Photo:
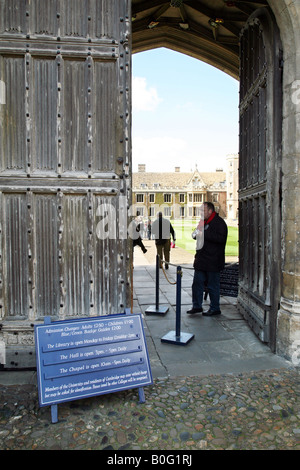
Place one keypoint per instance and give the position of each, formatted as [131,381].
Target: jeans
[213,287]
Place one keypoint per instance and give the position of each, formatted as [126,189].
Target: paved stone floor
[221,344]
[223,390]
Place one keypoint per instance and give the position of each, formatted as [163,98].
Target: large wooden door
[260,174]
[64,164]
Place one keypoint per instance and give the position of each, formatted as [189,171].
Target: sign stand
[54,414]
[54,408]
[142,398]
[91,356]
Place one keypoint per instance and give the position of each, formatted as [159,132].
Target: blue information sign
[91,356]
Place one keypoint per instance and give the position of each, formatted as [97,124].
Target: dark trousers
[139,242]
[163,251]
[213,286]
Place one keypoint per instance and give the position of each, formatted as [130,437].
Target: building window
[181,211]
[198,197]
[140,198]
[140,210]
[167,211]
[151,198]
[181,198]
[190,198]
[215,197]
[167,197]
[151,211]
[196,211]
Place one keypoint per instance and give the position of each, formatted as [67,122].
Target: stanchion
[177,337]
[156,309]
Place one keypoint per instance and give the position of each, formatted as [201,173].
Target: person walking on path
[162,230]
[209,261]
[136,233]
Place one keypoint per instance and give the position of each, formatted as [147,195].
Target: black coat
[211,257]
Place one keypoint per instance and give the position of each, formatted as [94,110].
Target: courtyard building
[178,194]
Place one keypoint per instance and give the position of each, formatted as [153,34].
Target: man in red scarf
[209,261]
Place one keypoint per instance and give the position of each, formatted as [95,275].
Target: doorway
[244,41]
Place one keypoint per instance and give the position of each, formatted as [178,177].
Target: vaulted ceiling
[205,29]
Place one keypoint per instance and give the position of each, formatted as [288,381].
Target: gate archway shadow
[223,344]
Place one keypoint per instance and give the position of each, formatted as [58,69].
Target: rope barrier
[161,263]
[173,337]
[176,265]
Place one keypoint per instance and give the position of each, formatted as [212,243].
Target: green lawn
[184,238]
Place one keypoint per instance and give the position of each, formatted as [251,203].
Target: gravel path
[246,411]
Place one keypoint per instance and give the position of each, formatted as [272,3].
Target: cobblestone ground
[246,411]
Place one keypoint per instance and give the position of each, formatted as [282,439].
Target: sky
[184,113]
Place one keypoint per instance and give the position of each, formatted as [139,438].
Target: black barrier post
[178,301]
[157,284]
[156,309]
[176,337]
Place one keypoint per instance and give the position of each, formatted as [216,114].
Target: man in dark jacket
[209,261]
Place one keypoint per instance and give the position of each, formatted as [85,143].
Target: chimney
[142,168]
[177,169]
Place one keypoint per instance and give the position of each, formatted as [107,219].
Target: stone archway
[159,27]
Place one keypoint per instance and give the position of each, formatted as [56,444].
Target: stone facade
[232,184]
[177,194]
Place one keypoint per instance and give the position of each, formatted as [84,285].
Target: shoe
[145,251]
[210,313]
[195,310]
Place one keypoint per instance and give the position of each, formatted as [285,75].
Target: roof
[178,181]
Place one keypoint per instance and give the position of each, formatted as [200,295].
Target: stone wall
[287,14]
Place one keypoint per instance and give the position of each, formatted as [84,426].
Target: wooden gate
[65,164]
[260,174]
